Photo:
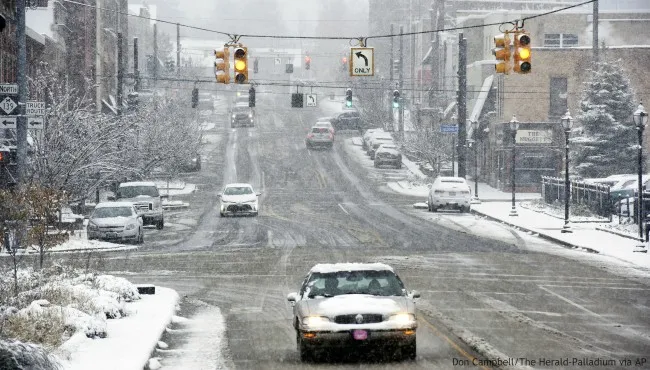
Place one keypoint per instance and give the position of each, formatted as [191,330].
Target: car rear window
[319,130]
[452,181]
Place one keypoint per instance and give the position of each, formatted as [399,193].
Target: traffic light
[396,99]
[241,64]
[195,97]
[348,98]
[251,97]
[502,53]
[522,52]
[256,65]
[222,66]
[307,62]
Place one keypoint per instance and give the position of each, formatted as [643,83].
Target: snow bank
[17,355]
[78,321]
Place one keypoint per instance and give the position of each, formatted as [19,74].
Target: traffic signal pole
[391,65]
[21,121]
[462,104]
[120,74]
[400,123]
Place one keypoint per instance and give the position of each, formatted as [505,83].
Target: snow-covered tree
[608,142]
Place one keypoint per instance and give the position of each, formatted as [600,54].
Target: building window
[560,40]
[558,99]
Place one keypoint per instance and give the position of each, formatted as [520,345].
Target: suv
[348,120]
[242,116]
[147,201]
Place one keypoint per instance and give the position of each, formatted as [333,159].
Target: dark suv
[347,120]
[242,116]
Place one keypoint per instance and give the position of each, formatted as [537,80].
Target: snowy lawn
[577,214]
[130,340]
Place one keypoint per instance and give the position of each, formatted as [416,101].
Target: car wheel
[305,353]
[434,209]
[409,352]
[160,224]
[255,214]
[463,209]
[221,214]
[429,206]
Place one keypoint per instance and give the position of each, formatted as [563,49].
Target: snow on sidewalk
[584,235]
[130,340]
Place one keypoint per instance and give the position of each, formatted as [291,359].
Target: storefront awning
[480,101]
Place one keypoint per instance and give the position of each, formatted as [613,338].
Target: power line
[237,36]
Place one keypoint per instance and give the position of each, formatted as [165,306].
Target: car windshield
[379,283]
[241,110]
[107,212]
[134,191]
[238,190]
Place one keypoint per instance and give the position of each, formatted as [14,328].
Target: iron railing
[593,196]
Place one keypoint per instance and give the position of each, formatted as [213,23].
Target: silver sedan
[354,306]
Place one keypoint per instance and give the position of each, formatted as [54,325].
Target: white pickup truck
[147,201]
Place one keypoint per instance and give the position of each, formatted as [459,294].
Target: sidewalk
[585,236]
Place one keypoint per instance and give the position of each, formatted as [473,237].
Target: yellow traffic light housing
[522,53]
[241,64]
[503,53]
[222,66]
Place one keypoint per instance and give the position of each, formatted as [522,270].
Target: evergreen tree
[608,142]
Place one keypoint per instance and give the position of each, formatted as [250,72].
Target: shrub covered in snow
[118,285]
[15,355]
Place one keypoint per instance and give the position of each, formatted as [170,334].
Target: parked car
[376,141]
[627,187]
[242,115]
[347,120]
[115,221]
[388,154]
[449,192]
[368,134]
[319,137]
[238,199]
[354,305]
[146,199]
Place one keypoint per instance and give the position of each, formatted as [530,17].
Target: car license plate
[111,235]
[359,334]
[452,193]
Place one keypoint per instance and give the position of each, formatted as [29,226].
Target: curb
[618,233]
[541,235]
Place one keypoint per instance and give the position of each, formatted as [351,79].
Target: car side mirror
[258,193]
[110,198]
[415,294]
[292,298]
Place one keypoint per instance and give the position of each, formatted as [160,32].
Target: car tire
[255,214]
[463,209]
[304,352]
[160,224]
[434,209]
[409,352]
[221,214]
[429,208]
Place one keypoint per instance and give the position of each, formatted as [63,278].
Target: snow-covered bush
[118,285]
[15,355]
[36,326]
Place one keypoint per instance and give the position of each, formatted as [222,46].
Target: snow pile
[118,285]
[73,319]
[16,355]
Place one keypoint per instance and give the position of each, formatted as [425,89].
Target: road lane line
[451,343]
[572,303]
[346,212]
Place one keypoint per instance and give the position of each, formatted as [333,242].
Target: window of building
[560,40]
[558,98]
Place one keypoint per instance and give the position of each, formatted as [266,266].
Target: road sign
[7,122]
[35,123]
[363,61]
[35,108]
[9,89]
[311,100]
[449,129]
[289,68]
[296,100]
[8,105]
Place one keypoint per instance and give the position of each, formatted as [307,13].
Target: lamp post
[514,126]
[567,123]
[475,199]
[640,120]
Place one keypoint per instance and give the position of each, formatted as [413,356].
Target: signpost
[362,61]
[8,89]
[7,105]
[449,129]
[35,123]
[311,100]
[8,122]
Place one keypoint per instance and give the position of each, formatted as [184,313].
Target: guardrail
[595,197]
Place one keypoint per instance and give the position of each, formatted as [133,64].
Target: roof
[138,183]
[113,204]
[449,178]
[238,184]
[335,267]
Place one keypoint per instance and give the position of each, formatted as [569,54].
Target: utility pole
[462,103]
[401,82]
[391,118]
[120,74]
[98,56]
[155,54]
[595,32]
[21,121]
[136,70]
[178,50]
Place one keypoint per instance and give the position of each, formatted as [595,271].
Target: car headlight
[250,116]
[130,226]
[402,318]
[233,116]
[92,226]
[315,320]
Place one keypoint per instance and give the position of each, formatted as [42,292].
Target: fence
[593,196]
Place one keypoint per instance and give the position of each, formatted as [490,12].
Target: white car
[368,134]
[354,305]
[449,192]
[388,154]
[115,221]
[325,124]
[377,140]
[147,201]
[238,199]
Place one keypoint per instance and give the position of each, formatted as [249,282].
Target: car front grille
[368,318]
[143,207]
[111,228]
[239,208]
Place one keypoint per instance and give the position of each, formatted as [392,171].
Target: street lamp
[567,123]
[514,126]
[475,199]
[640,120]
